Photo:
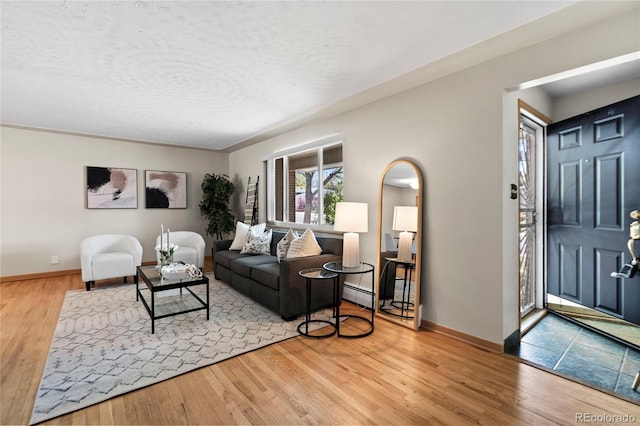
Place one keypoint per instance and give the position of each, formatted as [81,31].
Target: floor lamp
[405,219]
[351,218]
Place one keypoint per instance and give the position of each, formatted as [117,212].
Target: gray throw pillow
[258,242]
[242,234]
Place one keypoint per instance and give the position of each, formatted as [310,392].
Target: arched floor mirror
[399,244]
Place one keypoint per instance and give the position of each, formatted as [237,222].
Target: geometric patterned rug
[103,346]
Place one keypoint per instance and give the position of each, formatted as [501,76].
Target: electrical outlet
[54,260]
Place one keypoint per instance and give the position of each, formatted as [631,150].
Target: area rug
[103,346]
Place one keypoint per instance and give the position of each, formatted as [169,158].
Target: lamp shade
[405,218]
[351,217]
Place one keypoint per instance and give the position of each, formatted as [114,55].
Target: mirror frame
[415,322]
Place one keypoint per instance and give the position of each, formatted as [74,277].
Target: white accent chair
[191,247]
[109,256]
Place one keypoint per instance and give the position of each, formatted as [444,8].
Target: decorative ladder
[251,203]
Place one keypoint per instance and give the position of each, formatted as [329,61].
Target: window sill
[301,227]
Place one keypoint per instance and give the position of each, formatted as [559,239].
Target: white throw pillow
[242,232]
[258,242]
[283,245]
[304,246]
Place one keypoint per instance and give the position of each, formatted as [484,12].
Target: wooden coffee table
[162,307]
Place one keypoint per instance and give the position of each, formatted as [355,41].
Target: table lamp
[405,219]
[351,218]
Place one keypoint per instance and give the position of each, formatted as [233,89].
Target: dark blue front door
[593,169]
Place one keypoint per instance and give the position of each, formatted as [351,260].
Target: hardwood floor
[394,376]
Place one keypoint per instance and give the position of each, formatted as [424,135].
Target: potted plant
[216,193]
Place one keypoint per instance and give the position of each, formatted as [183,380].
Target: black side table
[363,268]
[318,274]
[405,305]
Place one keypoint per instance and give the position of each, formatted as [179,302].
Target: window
[304,185]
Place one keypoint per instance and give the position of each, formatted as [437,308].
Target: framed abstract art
[111,188]
[165,190]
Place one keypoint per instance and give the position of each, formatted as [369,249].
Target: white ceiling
[214,74]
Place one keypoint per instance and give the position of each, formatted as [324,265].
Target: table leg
[373,298]
[409,303]
[336,297]
[404,290]
[153,312]
[336,284]
[307,316]
[208,306]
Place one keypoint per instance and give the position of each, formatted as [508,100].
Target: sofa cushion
[242,231]
[330,245]
[304,246]
[225,257]
[283,245]
[276,237]
[258,242]
[267,274]
[242,265]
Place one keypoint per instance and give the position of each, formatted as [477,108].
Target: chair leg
[89,284]
[125,280]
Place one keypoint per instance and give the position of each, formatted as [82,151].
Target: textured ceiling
[214,74]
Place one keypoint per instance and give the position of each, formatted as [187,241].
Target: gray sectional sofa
[275,285]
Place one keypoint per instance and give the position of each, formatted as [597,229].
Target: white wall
[461,130]
[43,201]
[579,103]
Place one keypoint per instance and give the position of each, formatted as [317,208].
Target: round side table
[362,268]
[405,305]
[310,275]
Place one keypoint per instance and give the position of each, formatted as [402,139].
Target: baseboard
[467,338]
[50,274]
[39,275]
[359,295]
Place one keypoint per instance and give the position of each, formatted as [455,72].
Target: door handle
[629,269]
[634,235]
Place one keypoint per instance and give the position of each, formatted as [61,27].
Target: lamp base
[404,246]
[351,250]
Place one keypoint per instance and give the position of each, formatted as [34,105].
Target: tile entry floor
[574,351]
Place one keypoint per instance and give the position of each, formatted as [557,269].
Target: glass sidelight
[527,215]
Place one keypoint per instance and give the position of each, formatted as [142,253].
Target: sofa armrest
[293,288]
[221,245]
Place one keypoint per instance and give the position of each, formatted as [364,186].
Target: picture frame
[111,188]
[165,189]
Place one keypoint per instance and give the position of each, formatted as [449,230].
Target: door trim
[541,120]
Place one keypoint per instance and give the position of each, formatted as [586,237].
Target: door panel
[570,184]
[593,184]
[609,180]
[608,291]
[570,272]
